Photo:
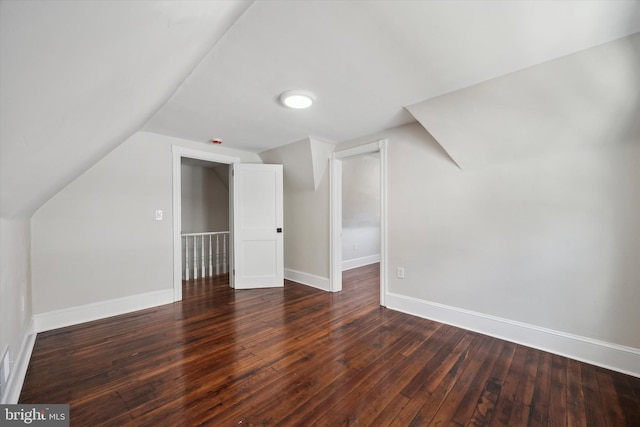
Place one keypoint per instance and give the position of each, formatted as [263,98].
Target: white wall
[360,211]
[306,218]
[97,239]
[205,199]
[550,241]
[15,289]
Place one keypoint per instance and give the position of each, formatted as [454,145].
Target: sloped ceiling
[580,101]
[366,60]
[77,78]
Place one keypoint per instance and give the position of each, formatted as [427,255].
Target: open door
[256,226]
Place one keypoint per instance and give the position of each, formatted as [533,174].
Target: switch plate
[400,272]
[159,215]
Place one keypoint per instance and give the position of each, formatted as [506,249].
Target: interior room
[478,162]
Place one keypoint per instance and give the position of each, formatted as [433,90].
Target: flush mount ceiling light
[298,99]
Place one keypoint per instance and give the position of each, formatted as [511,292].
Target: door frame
[179,152]
[335,217]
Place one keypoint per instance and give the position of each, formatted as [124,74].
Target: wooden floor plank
[539,411]
[628,401]
[609,396]
[299,356]
[507,397]
[592,399]
[460,402]
[558,393]
[444,371]
[576,411]
[524,394]
[487,403]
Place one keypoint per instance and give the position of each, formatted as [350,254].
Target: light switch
[159,215]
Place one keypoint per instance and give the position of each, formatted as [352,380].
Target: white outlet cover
[159,215]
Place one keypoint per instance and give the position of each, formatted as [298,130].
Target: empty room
[272,212]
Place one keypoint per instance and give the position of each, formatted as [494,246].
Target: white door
[256,226]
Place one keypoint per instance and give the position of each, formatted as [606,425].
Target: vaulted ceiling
[78,78]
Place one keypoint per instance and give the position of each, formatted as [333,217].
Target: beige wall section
[360,207]
[306,218]
[205,199]
[306,204]
[15,285]
[550,241]
[97,239]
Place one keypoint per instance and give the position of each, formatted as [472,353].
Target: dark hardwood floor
[299,357]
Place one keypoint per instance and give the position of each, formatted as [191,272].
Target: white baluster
[204,273]
[186,261]
[217,254]
[224,253]
[210,258]
[195,258]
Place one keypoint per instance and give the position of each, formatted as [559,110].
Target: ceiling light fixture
[297,99]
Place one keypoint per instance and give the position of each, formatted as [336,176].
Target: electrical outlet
[400,272]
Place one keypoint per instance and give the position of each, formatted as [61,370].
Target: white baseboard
[19,371]
[601,353]
[100,310]
[307,279]
[360,262]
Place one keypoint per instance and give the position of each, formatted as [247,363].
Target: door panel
[258,256]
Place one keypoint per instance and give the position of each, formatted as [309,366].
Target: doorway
[378,148]
[180,153]
[247,260]
[205,218]
[360,211]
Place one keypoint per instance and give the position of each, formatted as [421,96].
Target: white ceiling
[78,78]
[366,60]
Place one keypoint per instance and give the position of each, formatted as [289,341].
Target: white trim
[100,310]
[19,371]
[335,213]
[178,153]
[601,353]
[384,225]
[335,224]
[360,150]
[350,264]
[307,279]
